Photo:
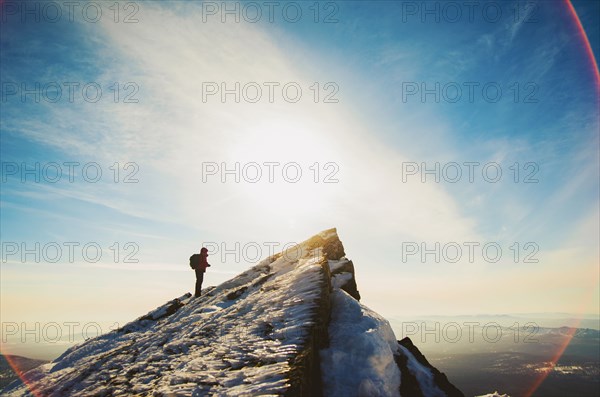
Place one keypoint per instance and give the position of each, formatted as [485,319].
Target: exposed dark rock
[253,284]
[330,243]
[350,286]
[305,375]
[166,310]
[410,386]
[334,249]
[236,294]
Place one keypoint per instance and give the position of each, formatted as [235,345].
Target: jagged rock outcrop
[411,386]
[291,325]
[343,276]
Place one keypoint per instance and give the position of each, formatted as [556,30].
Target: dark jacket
[203,262]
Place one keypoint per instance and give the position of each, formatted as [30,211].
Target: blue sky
[371,53]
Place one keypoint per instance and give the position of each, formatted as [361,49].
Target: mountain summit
[291,325]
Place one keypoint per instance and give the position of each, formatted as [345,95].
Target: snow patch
[328,234]
[334,265]
[339,280]
[360,358]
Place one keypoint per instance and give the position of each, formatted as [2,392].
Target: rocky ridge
[291,325]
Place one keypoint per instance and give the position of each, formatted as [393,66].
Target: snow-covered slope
[291,325]
[360,356]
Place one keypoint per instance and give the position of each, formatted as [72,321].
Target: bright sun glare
[283,166]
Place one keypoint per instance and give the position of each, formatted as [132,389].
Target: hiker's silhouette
[199,263]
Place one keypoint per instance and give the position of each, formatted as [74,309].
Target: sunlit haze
[186,165]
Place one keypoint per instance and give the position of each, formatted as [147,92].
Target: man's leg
[199,279]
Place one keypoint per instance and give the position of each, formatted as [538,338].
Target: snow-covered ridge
[291,325]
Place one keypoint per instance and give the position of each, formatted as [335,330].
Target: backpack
[195,261]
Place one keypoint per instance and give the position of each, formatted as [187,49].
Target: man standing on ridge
[199,263]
